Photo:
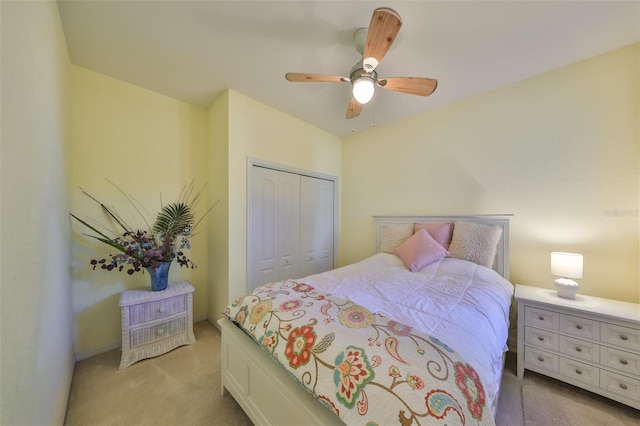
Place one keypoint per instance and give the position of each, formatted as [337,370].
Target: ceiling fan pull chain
[373,115]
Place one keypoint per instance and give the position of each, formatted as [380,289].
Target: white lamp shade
[363,89]
[567,265]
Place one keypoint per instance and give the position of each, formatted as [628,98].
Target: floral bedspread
[367,369]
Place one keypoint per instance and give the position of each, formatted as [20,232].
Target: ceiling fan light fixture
[363,89]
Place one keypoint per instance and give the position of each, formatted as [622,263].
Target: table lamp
[566,266]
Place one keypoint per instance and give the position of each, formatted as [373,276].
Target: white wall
[36,353]
[560,151]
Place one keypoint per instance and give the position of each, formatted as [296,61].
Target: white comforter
[464,305]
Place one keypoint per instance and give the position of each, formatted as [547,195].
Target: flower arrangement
[163,241]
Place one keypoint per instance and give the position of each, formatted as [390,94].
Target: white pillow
[391,236]
[476,242]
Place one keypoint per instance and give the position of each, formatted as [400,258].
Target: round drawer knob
[541,318]
[624,361]
[623,386]
[624,337]
[541,359]
[578,349]
[541,338]
[579,327]
[161,309]
[160,331]
[578,371]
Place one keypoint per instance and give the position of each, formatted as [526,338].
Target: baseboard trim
[79,356]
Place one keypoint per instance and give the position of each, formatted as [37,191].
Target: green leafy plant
[163,241]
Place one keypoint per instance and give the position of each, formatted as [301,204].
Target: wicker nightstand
[155,322]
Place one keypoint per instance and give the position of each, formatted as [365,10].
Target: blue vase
[159,276]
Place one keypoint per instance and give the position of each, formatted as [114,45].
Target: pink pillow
[441,232]
[420,250]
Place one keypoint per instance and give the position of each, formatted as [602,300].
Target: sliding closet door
[291,226]
[316,225]
[288,225]
[275,226]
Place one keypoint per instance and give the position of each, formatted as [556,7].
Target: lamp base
[566,288]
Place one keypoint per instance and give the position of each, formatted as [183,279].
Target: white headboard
[500,264]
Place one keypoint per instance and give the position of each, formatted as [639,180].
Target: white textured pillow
[391,236]
[475,242]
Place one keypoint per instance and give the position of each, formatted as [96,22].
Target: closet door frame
[251,162]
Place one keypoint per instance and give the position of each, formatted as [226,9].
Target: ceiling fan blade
[299,77]
[412,85]
[383,29]
[354,108]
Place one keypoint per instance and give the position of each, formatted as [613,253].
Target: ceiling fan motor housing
[358,71]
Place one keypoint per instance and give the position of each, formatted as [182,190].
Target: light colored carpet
[182,388]
[563,410]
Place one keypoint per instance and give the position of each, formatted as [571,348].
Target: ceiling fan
[373,43]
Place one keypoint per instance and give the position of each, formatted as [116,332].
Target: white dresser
[155,322]
[589,342]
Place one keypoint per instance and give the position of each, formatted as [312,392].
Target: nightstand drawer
[620,336]
[541,318]
[543,339]
[620,385]
[576,370]
[541,359]
[159,309]
[626,362]
[580,327]
[144,335]
[581,349]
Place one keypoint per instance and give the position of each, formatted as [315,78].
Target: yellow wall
[259,131]
[36,354]
[149,145]
[560,151]
[218,160]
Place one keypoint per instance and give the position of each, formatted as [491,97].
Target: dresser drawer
[541,359]
[144,335]
[541,318]
[159,309]
[618,335]
[576,370]
[620,385]
[623,361]
[581,349]
[543,339]
[580,327]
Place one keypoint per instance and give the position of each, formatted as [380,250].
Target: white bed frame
[267,393]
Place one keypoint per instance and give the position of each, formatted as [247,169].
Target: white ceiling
[195,50]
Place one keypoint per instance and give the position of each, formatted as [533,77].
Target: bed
[407,336]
